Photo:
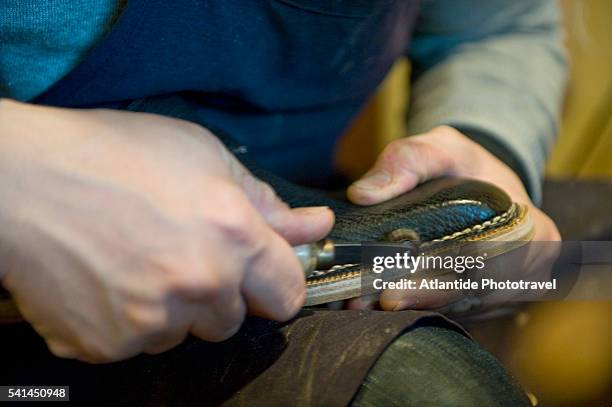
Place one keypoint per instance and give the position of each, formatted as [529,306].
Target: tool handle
[315,256]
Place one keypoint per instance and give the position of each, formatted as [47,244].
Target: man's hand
[407,162]
[121,233]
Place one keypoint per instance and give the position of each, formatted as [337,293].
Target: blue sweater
[494,69]
[42,40]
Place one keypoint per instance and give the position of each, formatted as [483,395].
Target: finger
[170,330]
[297,226]
[365,302]
[166,343]
[511,266]
[271,278]
[220,319]
[274,284]
[83,351]
[61,349]
[208,300]
[400,167]
[397,300]
[302,225]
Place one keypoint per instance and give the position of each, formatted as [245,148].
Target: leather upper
[435,209]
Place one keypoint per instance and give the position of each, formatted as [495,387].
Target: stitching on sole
[321,279]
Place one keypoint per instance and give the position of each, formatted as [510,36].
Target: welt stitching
[479,227]
[486,224]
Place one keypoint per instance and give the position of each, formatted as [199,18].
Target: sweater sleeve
[495,70]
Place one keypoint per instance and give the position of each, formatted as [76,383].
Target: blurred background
[561,352]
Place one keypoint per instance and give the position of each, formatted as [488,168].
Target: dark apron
[273,74]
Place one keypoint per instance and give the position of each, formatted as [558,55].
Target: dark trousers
[431,366]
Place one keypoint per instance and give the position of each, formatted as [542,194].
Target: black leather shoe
[443,216]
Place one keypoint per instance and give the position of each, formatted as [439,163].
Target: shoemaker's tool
[325,254]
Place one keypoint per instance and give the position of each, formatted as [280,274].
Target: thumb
[401,166]
[298,225]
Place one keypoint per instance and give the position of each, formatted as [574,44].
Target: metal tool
[325,254]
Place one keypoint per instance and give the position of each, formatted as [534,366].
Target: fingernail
[312,210]
[376,180]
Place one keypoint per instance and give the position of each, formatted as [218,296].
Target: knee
[437,366]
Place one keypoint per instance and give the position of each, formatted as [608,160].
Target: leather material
[435,209]
[320,358]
